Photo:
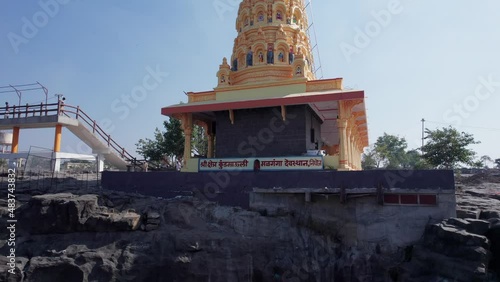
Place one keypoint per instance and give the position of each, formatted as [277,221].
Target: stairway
[74,119]
[98,146]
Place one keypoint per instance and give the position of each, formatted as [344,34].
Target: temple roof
[285,100]
[325,104]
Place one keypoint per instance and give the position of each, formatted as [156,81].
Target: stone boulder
[493,234]
[66,213]
[455,248]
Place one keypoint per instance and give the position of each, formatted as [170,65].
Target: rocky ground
[73,232]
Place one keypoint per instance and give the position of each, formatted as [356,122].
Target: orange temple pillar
[342,124]
[15,140]
[57,138]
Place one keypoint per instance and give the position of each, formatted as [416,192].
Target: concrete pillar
[358,150]
[57,138]
[353,152]
[100,162]
[351,155]
[187,125]
[15,140]
[358,155]
[349,146]
[342,124]
[56,162]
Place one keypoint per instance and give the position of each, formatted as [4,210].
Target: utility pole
[423,129]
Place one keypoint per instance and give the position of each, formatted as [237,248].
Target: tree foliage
[484,160]
[173,138]
[168,143]
[199,141]
[447,148]
[370,159]
[414,160]
[390,152]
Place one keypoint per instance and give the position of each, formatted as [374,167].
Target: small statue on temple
[250,57]
[270,54]
[261,57]
[291,55]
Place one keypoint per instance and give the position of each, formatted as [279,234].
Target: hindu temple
[284,143]
[267,104]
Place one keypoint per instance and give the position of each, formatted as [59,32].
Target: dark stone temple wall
[313,138]
[261,132]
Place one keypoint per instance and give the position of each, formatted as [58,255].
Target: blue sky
[427,59]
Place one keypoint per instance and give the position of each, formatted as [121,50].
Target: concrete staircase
[74,119]
[98,146]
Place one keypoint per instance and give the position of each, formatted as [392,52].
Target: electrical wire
[21,90]
[19,85]
[477,127]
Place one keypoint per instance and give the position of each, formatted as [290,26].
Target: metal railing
[28,110]
[62,109]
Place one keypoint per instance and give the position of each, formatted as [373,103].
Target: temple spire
[272,44]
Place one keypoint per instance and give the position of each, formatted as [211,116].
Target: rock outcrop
[72,238]
[66,213]
[465,248]
[454,248]
[99,235]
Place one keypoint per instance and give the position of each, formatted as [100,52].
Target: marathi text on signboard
[248,164]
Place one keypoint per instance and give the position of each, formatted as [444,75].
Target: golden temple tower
[272,44]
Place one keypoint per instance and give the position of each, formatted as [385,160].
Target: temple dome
[272,44]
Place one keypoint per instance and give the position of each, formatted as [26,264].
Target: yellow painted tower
[272,44]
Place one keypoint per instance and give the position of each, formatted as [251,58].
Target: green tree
[414,160]
[199,141]
[485,160]
[169,143]
[370,159]
[152,150]
[477,164]
[447,148]
[392,150]
[173,138]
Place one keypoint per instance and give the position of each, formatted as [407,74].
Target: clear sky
[438,60]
